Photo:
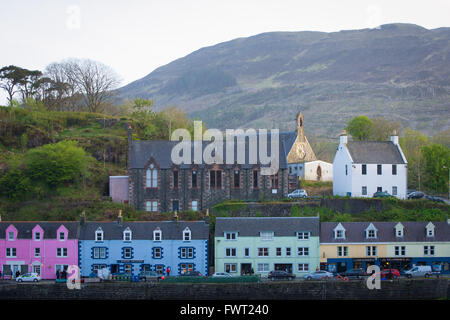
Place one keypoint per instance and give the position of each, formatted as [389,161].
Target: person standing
[168,271]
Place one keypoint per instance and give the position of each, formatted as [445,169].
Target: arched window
[152,177]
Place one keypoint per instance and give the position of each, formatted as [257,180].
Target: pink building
[40,247]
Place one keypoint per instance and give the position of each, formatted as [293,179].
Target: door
[246,268]
[175,205]
[37,269]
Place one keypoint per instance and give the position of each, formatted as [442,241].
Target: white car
[221,275]
[299,193]
[29,277]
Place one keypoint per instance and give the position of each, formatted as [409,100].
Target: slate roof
[413,232]
[374,152]
[25,229]
[143,230]
[160,151]
[281,226]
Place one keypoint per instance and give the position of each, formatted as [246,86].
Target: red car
[387,273]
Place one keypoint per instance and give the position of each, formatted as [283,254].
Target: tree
[437,162]
[383,128]
[412,143]
[11,78]
[144,119]
[360,127]
[29,84]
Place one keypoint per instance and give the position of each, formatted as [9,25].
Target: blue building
[132,247]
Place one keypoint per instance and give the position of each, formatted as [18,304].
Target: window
[278,252]
[187,235]
[37,236]
[379,169]
[263,252]
[428,250]
[342,251]
[399,233]
[303,251]
[230,252]
[302,235]
[215,179]
[274,181]
[400,250]
[255,179]
[364,190]
[99,253]
[430,232]
[371,234]
[394,191]
[371,251]
[127,253]
[11,252]
[303,267]
[194,179]
[128,268]
[346,170]
[10,236]
[127,235]
[152,177]
[99,235]
[37,252]
[157,235]
[394,169]
[186,267]
[175,179]
[187,253]
[288,252]
[230,267]
[364,169]
[231,235]
[339,234]
[157,253]
[195,205]
[379,189]
[61,252]
[246,252]
[262,267]
[62,236]
[266,236]
[151,206]
[237,178]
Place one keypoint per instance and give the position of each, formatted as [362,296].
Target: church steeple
[301,150]
[300,128]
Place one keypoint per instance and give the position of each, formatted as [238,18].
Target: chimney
[394,137]
[343,137]
[83,218]
[120,218]
[175,216]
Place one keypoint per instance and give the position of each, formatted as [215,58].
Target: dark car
[353,274]
[192,274]
[416,195]
[381,194]
[280,274]
[433,198]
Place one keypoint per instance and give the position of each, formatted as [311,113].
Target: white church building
[361,168]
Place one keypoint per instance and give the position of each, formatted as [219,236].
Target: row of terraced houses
[239,245]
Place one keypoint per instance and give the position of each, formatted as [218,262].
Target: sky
[134,37]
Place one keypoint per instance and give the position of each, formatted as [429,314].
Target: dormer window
[371,232]
[11,236]
[430,230]
[127,235]
[399,230]
[339,232]
[231,235]
[157,235]
[187,234]
[62,236]
[99,234]
[266,235]
[37,236]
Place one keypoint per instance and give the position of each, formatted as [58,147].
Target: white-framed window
[127,253]
[61,252]
[230,267]
[370,234]
[342,251]
[157,253]
[371,251]
[302,235]
[128,268]
[394,190]
[263,252]
[194,205]
[99,235]
[37,252]
[303,267]
[246,252]
[11,252]
[230,252]
[399,250]
[152,177]
[10,236]
[428,250]
[262,267]
[37,236]
[303,251]
[266,235]
[288,252]
[187,234]
[62,236]
[339,232]
[151,206]
[364,190]
[430,232]
[231,235]
[99,253]
[157,235]
[186,267]
[399,233]
[187,253]
[127,235]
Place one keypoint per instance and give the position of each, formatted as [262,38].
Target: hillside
[399,71]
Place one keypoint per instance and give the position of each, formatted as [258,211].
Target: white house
[361,168]
[313,170]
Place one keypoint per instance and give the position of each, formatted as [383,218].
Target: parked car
[388,273]
[280,274]
[192,274]
[419,271]
[221,275]
[381,194]
[299,193]
[433,198]
[353,274]
[29,277]
[149,275]
[318,275]
[416,195]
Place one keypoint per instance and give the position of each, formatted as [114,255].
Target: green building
[266,244]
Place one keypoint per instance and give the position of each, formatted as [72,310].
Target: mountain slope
[399,71]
